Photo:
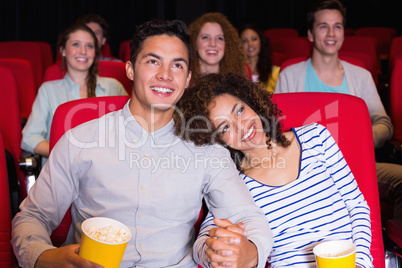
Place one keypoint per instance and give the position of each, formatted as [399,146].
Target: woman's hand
[228,246]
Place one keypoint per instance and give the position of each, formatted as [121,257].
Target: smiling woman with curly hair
[285,172]
[215,46]
[193,111]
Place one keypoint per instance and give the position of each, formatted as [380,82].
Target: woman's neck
[80,78]
[208,69]
[260,157]
[252,61]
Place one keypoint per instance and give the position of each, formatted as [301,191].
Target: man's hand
[64,257]
[228,246]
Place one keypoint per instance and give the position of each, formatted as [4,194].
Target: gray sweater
[360,84]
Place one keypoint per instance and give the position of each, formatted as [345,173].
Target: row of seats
[383,36]
[19,90]
[372,45]
[360,49]
[12,92]
[39,54]
[32,64]
[358,153]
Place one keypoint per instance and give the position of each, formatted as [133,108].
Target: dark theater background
[42,20]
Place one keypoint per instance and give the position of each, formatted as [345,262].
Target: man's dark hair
[88,18]
[325,4]
[155,27]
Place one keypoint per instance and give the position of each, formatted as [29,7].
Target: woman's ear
[62,52]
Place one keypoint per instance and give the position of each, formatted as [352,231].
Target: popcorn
[108,234]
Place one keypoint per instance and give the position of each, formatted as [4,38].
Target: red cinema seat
[78,112]
[292,61]
[280,33]
[25,50]
[6,253]
[46,54]
[124,50]
[106,51]
[344,116]
[10,126]
[53,72]
[292,47]
[364,47]
[395,50]
[382,35]
[24,76]
[116,70]
[396,99]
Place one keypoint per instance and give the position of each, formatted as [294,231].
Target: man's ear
[188,79]
[310,36]
[103,41]
[130,70]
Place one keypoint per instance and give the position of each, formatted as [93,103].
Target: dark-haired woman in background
[258,51]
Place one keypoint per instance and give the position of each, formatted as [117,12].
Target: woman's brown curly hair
[93,70]
[192,115]
[234,60]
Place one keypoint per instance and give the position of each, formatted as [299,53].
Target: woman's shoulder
[51,86]
[312,128]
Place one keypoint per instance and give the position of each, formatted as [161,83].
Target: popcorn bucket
[103,242]
[335,254]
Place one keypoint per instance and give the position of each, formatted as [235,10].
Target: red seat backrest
[395,50]
[292,47]
[53,72]
[24,77]
[46,54]
[6,255]
[366,45]
[10,122]
[116,70]
[281,32]
[348,120]
[78,112]
[355,60]
[292,61]
[349,31]
[396,99]
[106,51]
[124,50]
[278,58]
[71,114]
[25,50]
[382,35]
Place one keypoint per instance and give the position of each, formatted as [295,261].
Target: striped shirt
[323,203]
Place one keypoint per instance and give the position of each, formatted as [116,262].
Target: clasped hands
[228,246]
